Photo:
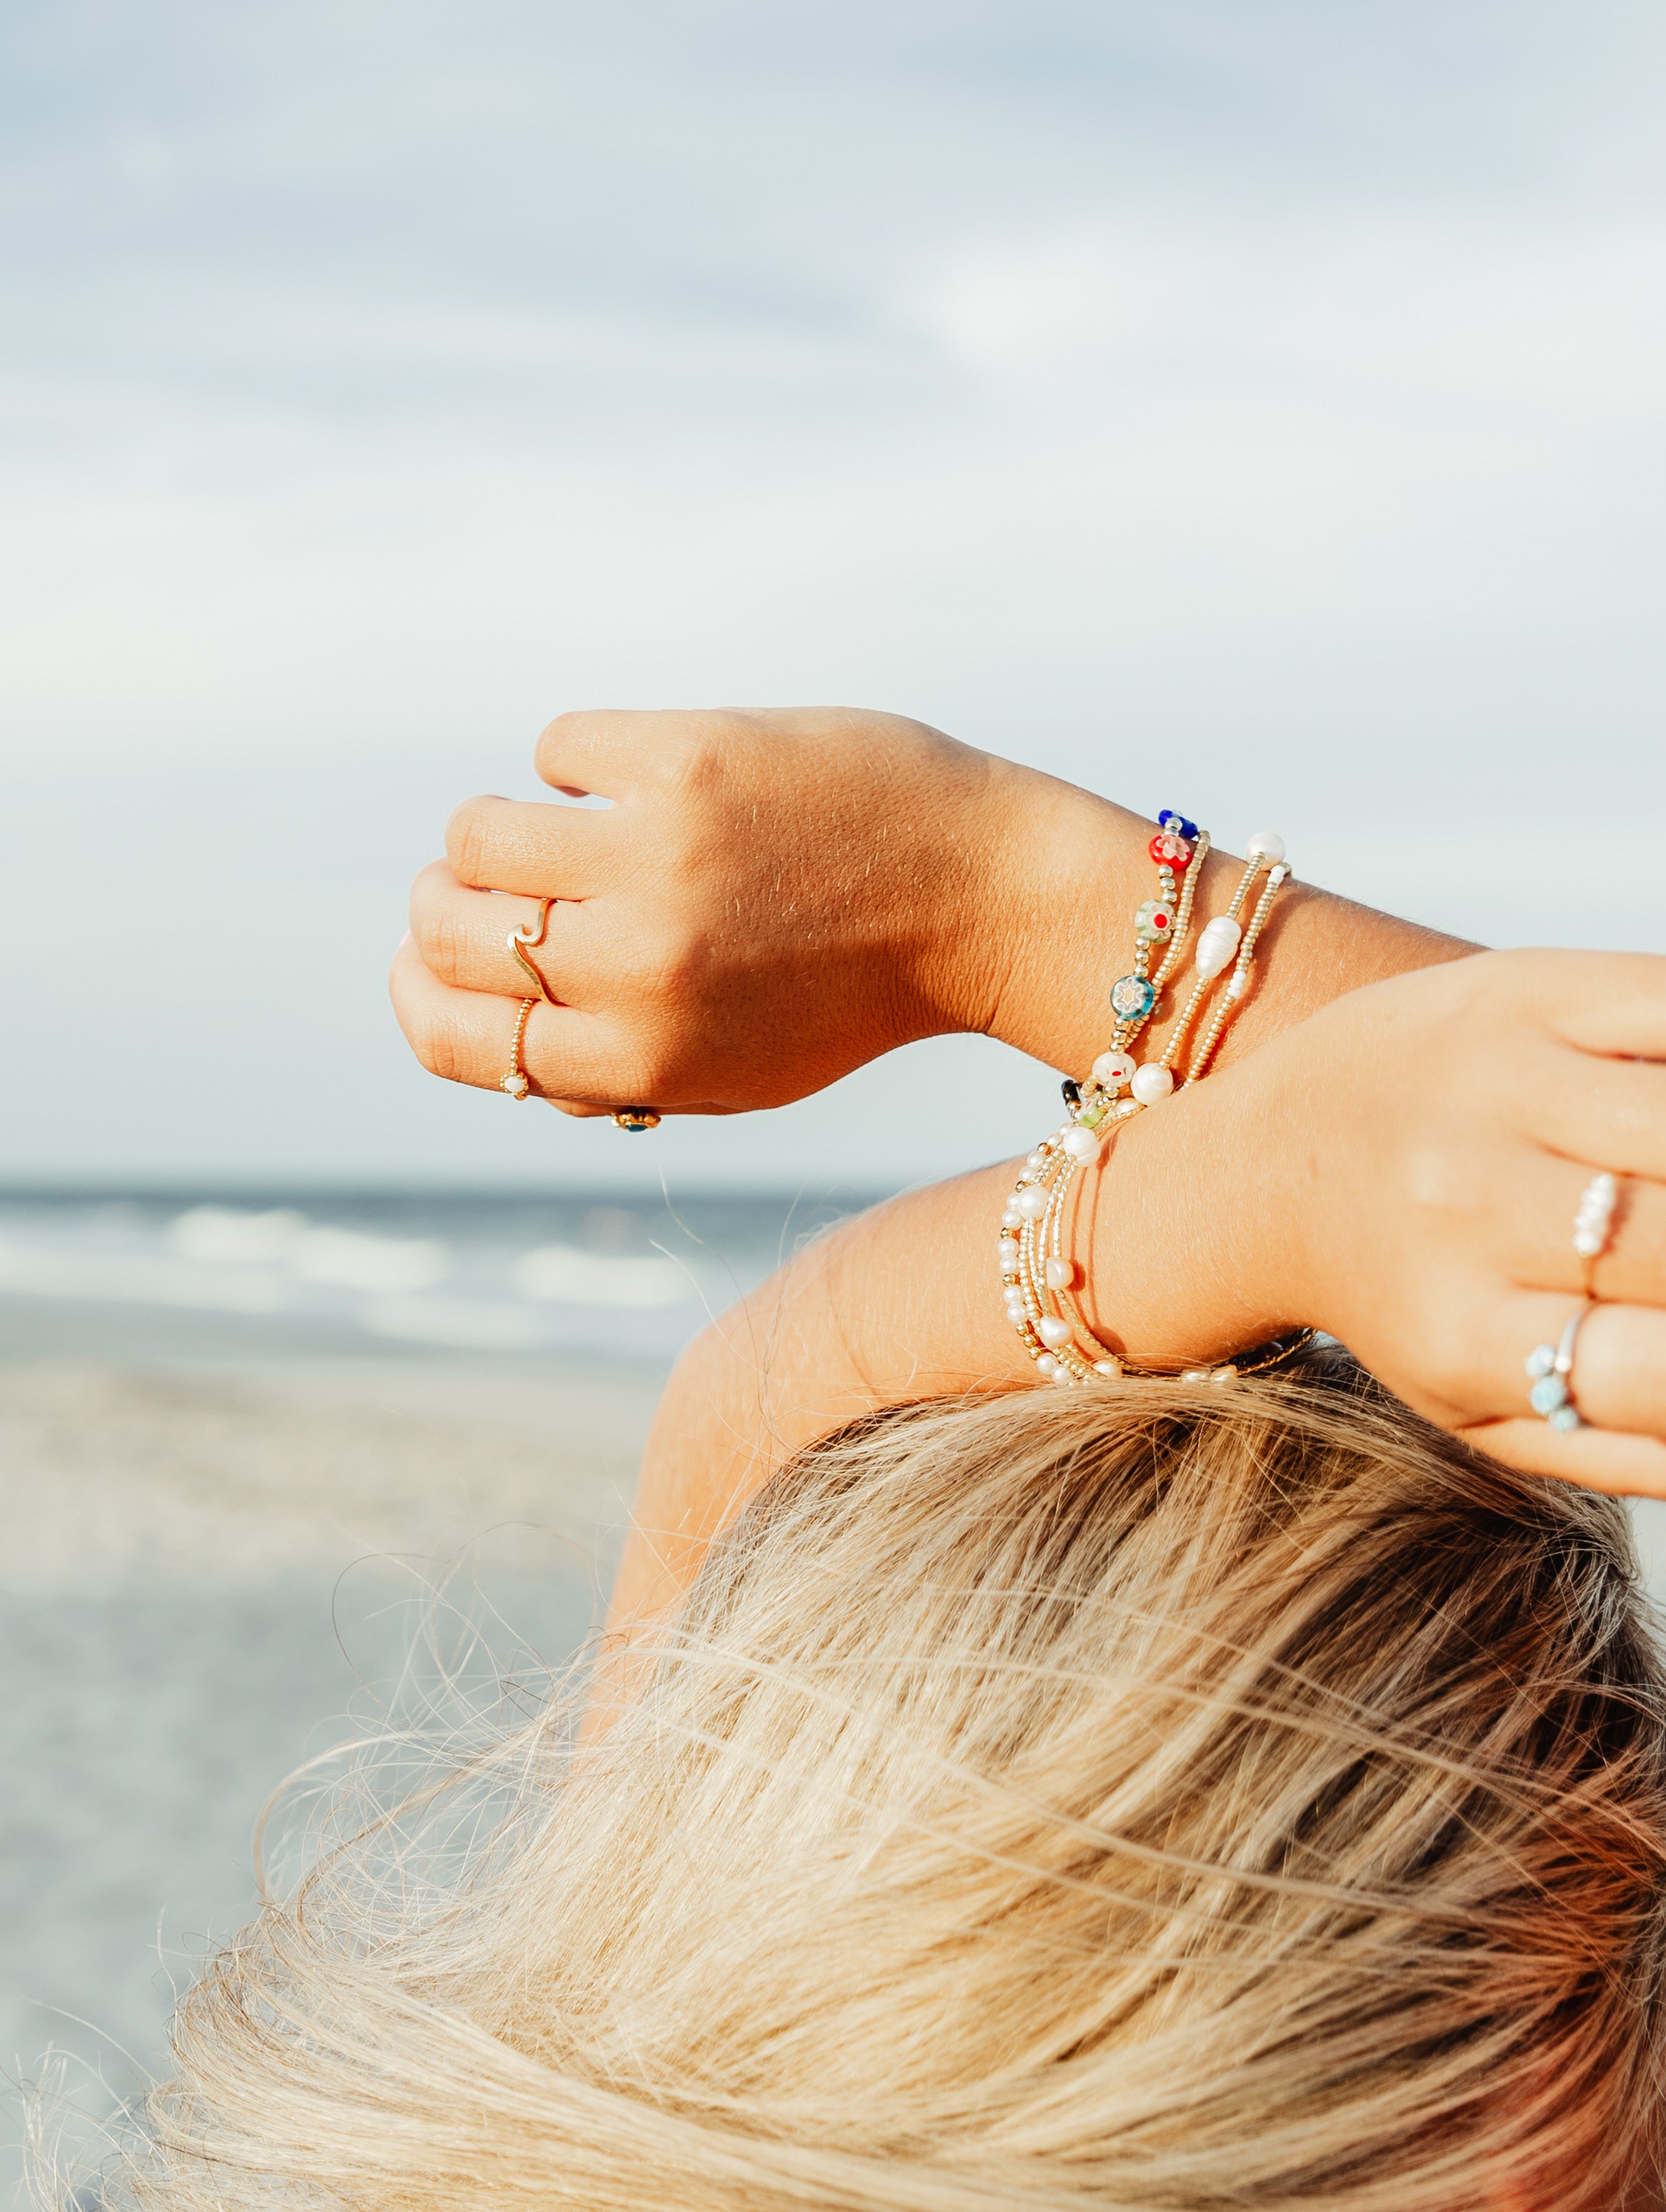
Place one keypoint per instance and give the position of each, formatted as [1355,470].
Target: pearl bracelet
[1039,1280]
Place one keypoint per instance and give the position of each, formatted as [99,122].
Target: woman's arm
[774,898]
[1401,1169]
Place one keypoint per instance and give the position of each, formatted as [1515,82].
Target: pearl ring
[1593,1225]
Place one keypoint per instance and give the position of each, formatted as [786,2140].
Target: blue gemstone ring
[1550,1372]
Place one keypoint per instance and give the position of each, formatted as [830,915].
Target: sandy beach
[207,1573]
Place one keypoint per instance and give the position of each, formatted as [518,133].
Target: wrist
[1028,951]
[1048,927]
[1192,1233]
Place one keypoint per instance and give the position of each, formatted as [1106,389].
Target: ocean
[166,1273]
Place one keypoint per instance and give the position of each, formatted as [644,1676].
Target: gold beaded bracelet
[1039,1281]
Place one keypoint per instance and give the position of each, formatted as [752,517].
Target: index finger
[608,751]
[530,845]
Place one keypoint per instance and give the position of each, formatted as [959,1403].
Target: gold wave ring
[532,934]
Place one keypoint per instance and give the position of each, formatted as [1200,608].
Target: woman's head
[1160,1798]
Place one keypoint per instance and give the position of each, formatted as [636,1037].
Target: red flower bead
[1170,851]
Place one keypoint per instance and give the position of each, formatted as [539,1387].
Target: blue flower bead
[1168,819]
[1131,997]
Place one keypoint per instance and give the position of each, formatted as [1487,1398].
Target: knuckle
[672,967]
[580,734]
[471,843]
[434,1040]
[447,953]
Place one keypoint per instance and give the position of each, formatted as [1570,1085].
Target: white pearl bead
[1112,1069]
[1012,1218]
[1047,1367]
[1151,1082]
[1265,845]
[1054,1332]
[1061,1274]
[1007,1251]
[1217,946]
[1081,1145]
[1062,1373]
[1110,1368]
[1239,984]
[1032,1202]
[1588,1243]
[1036,1161]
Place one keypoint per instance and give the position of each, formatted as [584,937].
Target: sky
[1253,406]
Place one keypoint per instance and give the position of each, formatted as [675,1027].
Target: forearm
[902,1304]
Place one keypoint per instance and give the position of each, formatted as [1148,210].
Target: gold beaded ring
[515,1079]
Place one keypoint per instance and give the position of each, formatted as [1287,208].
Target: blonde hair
[1157,1797]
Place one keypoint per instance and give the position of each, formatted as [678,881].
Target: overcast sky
[1247,406]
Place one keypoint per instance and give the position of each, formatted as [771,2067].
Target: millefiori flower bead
[1114,1070]
[1132,997]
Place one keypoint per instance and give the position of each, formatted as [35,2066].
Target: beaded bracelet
[1039,1280]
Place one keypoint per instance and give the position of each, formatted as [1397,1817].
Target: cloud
[1256,410]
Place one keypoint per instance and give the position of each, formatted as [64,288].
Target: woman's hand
[1421,1149]
[774,898]
[771,900]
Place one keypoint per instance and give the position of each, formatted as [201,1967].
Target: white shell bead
[1081,1145]
[1061,1274]
[1151,1082]
[1054,1332]
[1218,945]
[1032,1202]
[1265,845]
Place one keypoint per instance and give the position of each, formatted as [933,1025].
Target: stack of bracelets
[1039,1282]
